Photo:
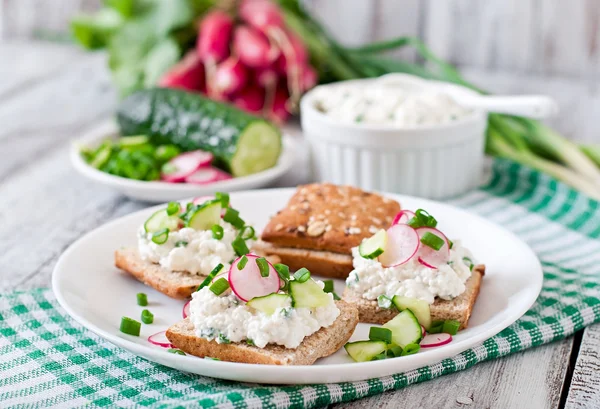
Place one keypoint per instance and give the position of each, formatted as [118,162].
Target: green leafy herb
[181,243]
[219,286]
[263,266]
[433,241]
[242,263]
[217,232]
[239,246]
[302,275]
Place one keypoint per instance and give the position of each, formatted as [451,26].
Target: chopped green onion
[249,235]
[410,349]
[450,244]
[242,263]
[436,327]
[217,232]
[222,339]
[181,243]
[210,358]
[379,357]
[130,326]
[422,219]
[147,317]
[210,276]
[283,271]
[176,351]
[165,153]
[161,236]
[250,342]
[263,266]
[384,301]
[451,327]
[224,198]
[302,275]
[189,206]
[173,208]
[380,334]
[468,262]
[239,246]
[328,288]
[431,240]
[394,351]
[142,299]
[232,217]
[219,286]
[336,297]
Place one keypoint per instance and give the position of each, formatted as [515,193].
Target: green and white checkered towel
[47,359]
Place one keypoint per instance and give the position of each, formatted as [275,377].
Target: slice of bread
[322,343]
[323,263]
[175,284]
[458,309]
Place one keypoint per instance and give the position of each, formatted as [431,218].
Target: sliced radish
[160,339]
[435,340]
[185,164]
[420,260]
[430,257]
[403,217]
[201,199]
[401,246]
[186,309]
[204,176]
[247,283]
[422,331]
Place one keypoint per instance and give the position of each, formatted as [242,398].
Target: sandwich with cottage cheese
[322,223]
[179,246]
[256,312]
[413,265]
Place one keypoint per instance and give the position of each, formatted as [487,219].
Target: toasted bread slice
[175,284]
[322,343]
[323,263]
[458,309]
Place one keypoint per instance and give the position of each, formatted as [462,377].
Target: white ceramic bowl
[427,161]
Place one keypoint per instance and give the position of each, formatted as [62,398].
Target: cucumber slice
[258,149]
[161,220]
[269,303]
[308,294]
[364,351]
[405,329]
[373,246]
[418,307]
[206,216]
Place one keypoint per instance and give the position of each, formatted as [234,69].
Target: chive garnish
[242,263]
[468,262]
[451,327]
[232,217]
[431,240]
[247,233]
[130,326]
[147,317]
[239,246]
[173,208]
[250,342]
[176,351]
[450,244]
[436,327]
[210,358]
[217,232]
[142,299]
[394,351]
[224,198]
[210,276]
[181,243]
[219,286]
[161,236]
[410,349]
[422,219]
[328,287]
[302,275]
[263,266]
[380,334]
[283,271]
[384,301]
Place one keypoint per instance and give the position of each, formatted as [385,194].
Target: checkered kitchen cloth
[47,359]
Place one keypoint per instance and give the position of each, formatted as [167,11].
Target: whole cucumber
[242,143]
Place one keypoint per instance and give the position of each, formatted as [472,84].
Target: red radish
[213,42]
[230,76]
[296,57]
[266,76]
[435,340]
[279,111]
[401,246]
[183,165]
[251,99]
[247,283]
[207,175]
[261,14]
[253,47]
[421,261]
[428,256]
[309,78]
[422,331]
[403,217]
[186,309]
[160,339]
[188,74]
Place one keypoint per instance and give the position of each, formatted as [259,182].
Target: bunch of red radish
[251,60]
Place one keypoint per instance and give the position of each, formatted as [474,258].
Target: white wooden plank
[584,391]
[349,21]
[532,379]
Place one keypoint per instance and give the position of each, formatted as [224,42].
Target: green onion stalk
[523,140]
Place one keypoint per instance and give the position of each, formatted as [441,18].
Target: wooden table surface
[52,93]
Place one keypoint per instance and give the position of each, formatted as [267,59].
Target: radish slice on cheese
[402,244]
[428,256]
[403,217]
[247,283]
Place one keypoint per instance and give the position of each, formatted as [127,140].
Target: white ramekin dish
[428,161]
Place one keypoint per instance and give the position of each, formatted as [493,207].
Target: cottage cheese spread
[395,105]
[199,256]
[411,279]
[226,319]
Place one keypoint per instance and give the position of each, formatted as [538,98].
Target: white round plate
[164,192]
[97,294]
